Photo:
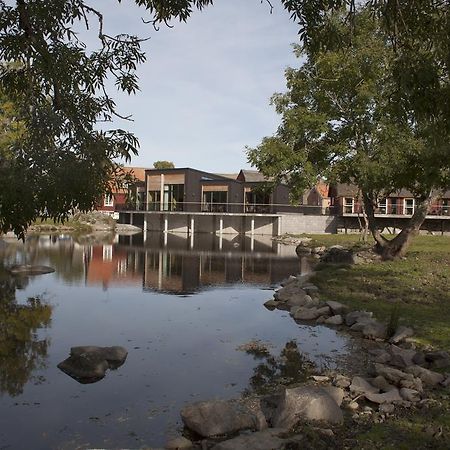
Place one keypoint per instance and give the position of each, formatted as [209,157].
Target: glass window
[349,205]
[393,206]
[108,200]
[409,206]
[446,207]
[215,201]
[382,206]
[257,202]
[153,200]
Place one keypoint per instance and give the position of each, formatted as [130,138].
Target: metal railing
[396,210]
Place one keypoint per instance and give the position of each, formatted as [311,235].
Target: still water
[181,307]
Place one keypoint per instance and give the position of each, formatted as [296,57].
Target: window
[382,206]
[215,201]
[257,202]
[446,207]
[409,206]
[349,205]
[108,200]
[393,207]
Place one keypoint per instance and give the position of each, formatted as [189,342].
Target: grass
[418,286]
[69,225]
[416,290]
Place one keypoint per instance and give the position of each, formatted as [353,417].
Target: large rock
[338,255]
[261,440]
[271,304]
[179,443]
[217,417]
[355,316]
[391,374]
[391,396]
[401,357]
[336,393]
[410,395]
[428,377]
[374,330]
[401,334]
[438,360]
[306,314]
[335,320]
[307,403]
[336,307]
[361,386]
[382,384]
[27,269]
[88,364]
[362,323]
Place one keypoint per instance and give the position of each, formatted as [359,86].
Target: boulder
[335,320]
[410,395]
[382,384]
[338,255]
[361,386]
[386,408]
[401,357]
[88,364]
[310,289]
[310,302]
[354,316]
[342,381]
[415,383]
[179,443]
[375,330]
[271,304]
[217,417]
[401,334]
[302,250]
[290,279]
[297,299]
[438,360]
[324,311]
[380,355]
[336,393]
[308,403]
[28,269]
[306,314]
[387,397]
[391,374]
[336,307]
[261,440]
[362,323]
[428,377]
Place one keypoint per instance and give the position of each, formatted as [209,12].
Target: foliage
[21,352]
[163,165]
[345,119]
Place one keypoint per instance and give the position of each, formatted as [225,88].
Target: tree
[345,119]
[67,155]
[163,165]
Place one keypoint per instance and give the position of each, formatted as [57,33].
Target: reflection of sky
[181,349]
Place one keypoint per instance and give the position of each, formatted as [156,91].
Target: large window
[446,207]
[349,205]
[173,197]
[382,206]
[108,200]
[393,206]
[409,206]
[215,201]
[257,202]
[154,200]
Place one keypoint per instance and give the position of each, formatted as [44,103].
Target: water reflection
[21,350]
[165,263]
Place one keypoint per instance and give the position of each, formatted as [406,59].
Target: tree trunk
[397,247]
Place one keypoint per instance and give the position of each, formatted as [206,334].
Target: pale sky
[206,85]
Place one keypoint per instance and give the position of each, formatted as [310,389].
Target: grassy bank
[419,286]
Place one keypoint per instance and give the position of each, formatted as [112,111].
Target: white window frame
[383,204]
[108,200]
[405,207]
[347,205]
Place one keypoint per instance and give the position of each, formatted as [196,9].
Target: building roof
[252,176]
[231,176]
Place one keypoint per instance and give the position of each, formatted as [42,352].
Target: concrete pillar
[221,226]
[145,227]
[279,220]
[131,218]
[166,224]
[252,226]
[161,194]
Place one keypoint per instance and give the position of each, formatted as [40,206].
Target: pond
[183,308]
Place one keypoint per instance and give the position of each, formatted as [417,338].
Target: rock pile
[398,375]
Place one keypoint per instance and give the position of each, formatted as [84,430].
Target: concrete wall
[297,223]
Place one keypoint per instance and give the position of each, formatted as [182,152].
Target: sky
[206,85]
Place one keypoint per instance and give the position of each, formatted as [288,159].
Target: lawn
[417,286]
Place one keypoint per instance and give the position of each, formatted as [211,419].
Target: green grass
[417,285]
[70,225]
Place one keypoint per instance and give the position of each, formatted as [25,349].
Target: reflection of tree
[21,352]
[290,367]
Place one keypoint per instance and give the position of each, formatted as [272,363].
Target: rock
[415,383]
[401,334]
[446,382]
[285,293]
[380,356]
[310,289]
[288,280]
[27,269]
[336,307]
[429,377]
[386,408]
[374,330]
[419,359]
[271,304]
[382,384]
[297,299]
[342,381]
[336,393]
[306,314]
[88,364]
[216,417]
[362,323]
[310,302]
[321,319]
[361,386]
[410,395]
[318,250]
[324,311]
[353,406]
[387,397]
[335,320]
[438,360]
[179,443]
[320,378]
[401,357]
[338,255]
[306,402]
[302,250]
[261,440]
[355,316]
[391,374]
